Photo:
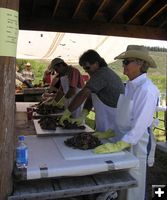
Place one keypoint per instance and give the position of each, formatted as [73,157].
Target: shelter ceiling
[126,18]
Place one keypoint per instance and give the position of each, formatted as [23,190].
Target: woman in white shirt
[135,111]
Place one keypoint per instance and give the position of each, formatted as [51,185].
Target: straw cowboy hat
[27,64]
[140,52]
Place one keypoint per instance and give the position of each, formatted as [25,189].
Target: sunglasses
[127,62]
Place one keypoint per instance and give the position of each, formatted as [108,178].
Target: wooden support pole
[165,114]
[7,105]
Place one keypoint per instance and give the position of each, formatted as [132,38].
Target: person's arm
[20,77]
[79,99]
[59,94]
[54,81]
[88,103]
[54,85]
[87,108]
[76,102]
[75,81]
[44,78]
[33,76]
[52,89]
[23,80]
[71,92]
[144,108]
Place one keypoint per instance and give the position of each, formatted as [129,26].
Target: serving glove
[66,116]
[104,135]
[82,117]
[61,102]
[111,147]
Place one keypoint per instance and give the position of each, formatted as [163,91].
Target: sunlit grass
[160,134]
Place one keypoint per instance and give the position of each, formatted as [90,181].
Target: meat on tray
[43,109]
[83,141]
[48,123]
[68,125]
[51,122]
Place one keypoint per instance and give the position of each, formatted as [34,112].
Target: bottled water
[21,153]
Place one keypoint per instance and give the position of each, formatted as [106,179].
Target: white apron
[65,85]
[123,116]
[104,115]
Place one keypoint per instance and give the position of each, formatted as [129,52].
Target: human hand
[80,119]
[65,117]
[111,147]
[47,95]
[104,134]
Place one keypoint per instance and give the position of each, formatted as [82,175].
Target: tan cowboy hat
[140,52]
[27,64]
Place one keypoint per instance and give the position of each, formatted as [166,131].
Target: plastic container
[21,153]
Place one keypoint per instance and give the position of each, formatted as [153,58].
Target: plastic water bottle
[21,153]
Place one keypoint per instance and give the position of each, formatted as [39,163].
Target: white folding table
[56,171]
[50,157]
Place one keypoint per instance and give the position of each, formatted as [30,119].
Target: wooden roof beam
[164,8]
[33,7]
[77,9]
[163,24]
[103,3]
[92,27]
[56,7]
[144,7]
[121,9]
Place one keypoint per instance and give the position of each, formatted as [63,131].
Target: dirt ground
[157,175]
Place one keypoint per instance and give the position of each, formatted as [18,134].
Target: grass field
[160,134]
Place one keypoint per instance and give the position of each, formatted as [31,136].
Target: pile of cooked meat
[50,123]
[83,141]
[43,109]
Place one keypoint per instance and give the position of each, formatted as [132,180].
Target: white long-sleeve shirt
[20,77]
[144,95]
[28,75]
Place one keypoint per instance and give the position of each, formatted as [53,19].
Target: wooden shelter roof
[128,18]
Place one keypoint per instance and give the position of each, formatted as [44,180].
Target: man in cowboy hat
[135,111]
[71,82]
[27,73]
[21,79]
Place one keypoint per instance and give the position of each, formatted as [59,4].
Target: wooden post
[165,114]
[7,107]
